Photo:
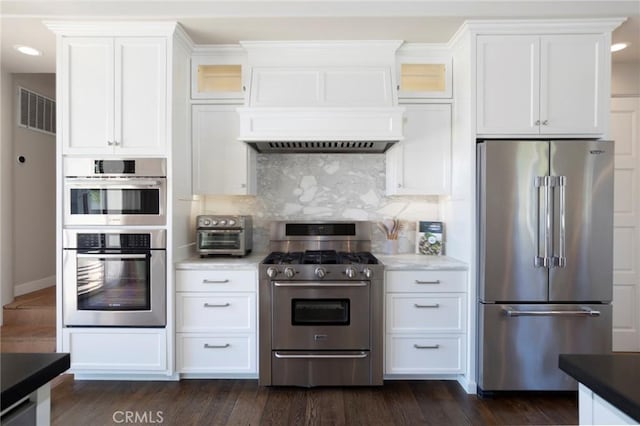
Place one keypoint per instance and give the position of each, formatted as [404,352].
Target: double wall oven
[321,306]
[114,242]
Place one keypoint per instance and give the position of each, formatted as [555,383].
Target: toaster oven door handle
[321,356]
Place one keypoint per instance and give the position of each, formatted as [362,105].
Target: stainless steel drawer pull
[435,305]
[211,305]
[426,346]
[208,346]
[321,356]
[427,282]
[215,281]
[577,313]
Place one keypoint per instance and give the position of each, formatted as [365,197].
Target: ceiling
[226,22]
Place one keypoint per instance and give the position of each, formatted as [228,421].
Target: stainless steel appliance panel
[512,220]
[326,368]
[583,221]
[521,343]
[323,324]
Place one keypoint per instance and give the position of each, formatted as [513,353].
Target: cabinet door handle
[427,282]
[435,305]
[208,346]
[545,123]
[426,346]
[110,143]
[537,123]
[215,281]
[211,305]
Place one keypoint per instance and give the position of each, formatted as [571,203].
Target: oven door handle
[110,255]
[121,182]
[320,283]
[321,356]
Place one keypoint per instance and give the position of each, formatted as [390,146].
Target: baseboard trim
[31,286]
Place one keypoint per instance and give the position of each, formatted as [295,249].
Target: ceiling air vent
[37,112]
[371,147]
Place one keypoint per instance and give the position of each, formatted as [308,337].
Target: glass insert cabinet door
[114,282]
[424,78]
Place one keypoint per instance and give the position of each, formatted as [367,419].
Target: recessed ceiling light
[618,46]
[27,50]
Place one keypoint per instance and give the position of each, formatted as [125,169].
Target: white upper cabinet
[541,85]
[422,77]
[222,164]
[420,164]
[114,95]
[218,73]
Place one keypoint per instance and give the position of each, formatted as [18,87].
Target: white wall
[625,79]
[6,152]
[34,195]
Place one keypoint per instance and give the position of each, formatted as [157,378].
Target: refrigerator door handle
[584,312]
[548,222]
[562,259]
[541,261]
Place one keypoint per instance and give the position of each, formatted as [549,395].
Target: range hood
[332,96]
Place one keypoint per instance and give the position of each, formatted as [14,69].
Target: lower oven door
[325,315]
[114,289]
[221,241]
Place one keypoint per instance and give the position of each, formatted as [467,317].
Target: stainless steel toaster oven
[224,235]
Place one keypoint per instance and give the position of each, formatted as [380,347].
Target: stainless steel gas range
[321,293]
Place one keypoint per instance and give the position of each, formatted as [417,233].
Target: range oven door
[322,315]
[115,201]
[114,288]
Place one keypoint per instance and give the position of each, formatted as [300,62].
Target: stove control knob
[350,272]
[367,273]
[321,272]
[272,272]
[289,272]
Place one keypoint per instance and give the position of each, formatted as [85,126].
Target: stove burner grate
[320,257]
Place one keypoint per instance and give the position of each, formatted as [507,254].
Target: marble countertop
[614,377]
[397,262]
[400,262]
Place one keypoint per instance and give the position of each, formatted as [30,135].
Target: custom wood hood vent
[334,96]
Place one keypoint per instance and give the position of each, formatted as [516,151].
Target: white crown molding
[115,28]
[540,26]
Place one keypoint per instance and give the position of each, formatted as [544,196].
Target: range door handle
[320,283]
[585,312]
[321,356]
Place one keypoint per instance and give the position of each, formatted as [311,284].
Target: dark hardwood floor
[243,402]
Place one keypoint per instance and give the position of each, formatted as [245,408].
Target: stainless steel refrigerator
[545,259]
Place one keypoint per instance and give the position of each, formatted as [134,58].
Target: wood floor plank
[243,402]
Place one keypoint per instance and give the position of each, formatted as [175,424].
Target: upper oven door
[310,315]
[115,201]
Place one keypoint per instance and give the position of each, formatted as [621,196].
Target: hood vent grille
[366,147]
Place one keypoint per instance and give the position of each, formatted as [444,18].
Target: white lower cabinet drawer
[216,280]
[426,312]
[425,354]
[426,281]
[198,312]
[202,353]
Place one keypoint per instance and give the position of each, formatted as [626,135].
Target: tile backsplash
[325,187]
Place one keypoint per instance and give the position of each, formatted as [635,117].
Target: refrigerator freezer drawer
[519,344]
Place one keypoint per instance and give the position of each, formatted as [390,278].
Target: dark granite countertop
[23,373]
[614,377]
